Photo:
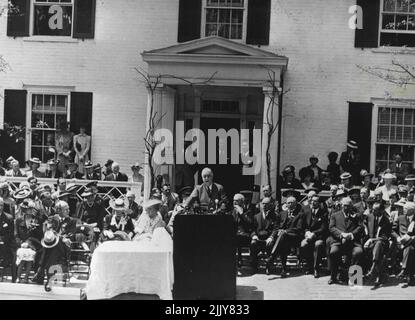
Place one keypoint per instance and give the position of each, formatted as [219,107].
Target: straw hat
[50,239]
[352,144]
[118,204]
[152,203]
[22,193]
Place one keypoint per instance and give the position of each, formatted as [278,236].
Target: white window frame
[51,90]
[382,103]
[244,22]
[382,3]
[32,21]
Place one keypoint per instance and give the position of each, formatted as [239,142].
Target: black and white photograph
[207,150]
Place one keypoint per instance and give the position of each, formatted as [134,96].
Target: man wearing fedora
[346,231]
[90,211]
[288,179]
[350,161]
[400,169]
[346,181]
[34,164]
[54,252]
[404,233]
[91,172]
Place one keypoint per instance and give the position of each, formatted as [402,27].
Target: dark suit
[351,163]
[206,197]
[57,174]
[313,249]
[379,228]
[244,226]
[288,232]
[262,228]
[351,248]
[122,177]
[400,228]
[401,171]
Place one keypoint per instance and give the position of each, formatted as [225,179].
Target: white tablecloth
[119,267]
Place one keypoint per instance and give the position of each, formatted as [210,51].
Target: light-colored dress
[145,226]
[85,142]
[63,142]
[136,190]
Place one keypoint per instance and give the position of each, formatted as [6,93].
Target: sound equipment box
[204,257]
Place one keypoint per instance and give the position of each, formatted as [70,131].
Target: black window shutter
[369,35]
[15,115]
[84,19]
[190,17]
[81,111]
[258,26]
[18,18]
[360,129]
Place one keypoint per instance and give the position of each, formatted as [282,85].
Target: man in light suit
[15,171]
[211,196]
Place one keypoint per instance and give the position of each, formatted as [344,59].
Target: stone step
[13,291]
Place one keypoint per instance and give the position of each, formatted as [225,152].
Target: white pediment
[213,46]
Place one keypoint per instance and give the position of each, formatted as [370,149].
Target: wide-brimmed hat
[152,203]
[50,239]
[71,187]
[87,193]
[186,191]
[410,177]
[22,193]
[10,159]
[365,173]
[35,160]
[352,144]
[354,189]
[403,188]
[136,165]
[88,164]
[118,204]
[92,184]
[388,176]
[345,175]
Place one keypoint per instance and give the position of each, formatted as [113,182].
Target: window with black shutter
[18,18]
[81,113]
[63,18]
[258,26]
[14,115]
[368,37]
[190,13]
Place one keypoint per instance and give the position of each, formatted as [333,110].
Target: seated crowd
[344,214]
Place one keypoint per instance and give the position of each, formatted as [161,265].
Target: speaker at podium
[204,257]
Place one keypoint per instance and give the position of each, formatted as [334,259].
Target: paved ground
[257,287]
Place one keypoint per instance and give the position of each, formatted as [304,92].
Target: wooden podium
[204,257]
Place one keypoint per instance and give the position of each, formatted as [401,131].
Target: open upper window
[64,18]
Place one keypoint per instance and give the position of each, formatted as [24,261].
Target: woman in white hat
[150,220]
[388,188]
[137,177]
[34,164]
[118,220]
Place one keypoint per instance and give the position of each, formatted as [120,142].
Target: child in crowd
[25,259]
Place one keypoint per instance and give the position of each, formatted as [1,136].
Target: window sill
[394,50]
[50,39]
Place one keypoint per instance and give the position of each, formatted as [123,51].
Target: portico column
[271,116]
